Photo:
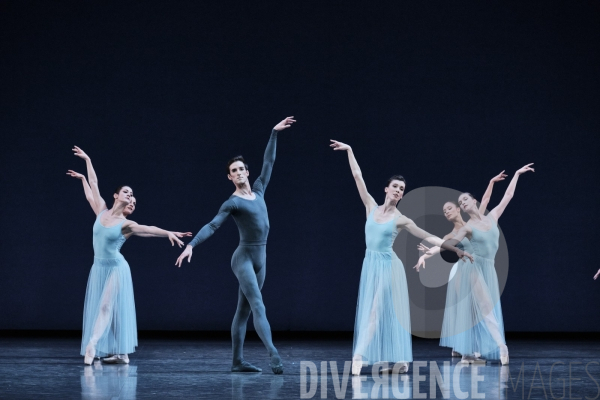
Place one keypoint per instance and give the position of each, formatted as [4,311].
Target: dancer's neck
[243,190]
[458,223]
[475,215]
[117,210]
[389,207]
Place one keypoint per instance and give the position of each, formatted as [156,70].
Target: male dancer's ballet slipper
[245,366]
[90,353]
[276,364]
[504,354]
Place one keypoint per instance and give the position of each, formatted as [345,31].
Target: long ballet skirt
[109,308]
[382,325]
[448,333]
[473,320]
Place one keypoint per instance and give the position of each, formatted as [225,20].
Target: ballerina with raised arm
[382,326]
[109,324]
[248,208]
[478,327]
[452,213]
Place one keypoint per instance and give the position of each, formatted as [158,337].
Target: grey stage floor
[40,368]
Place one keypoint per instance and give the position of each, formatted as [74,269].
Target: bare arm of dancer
[488,192]
[99,204]
[510,192]
[366,198]
[130,227]
[406,223]
[428,252]
[86,187]
[597,275]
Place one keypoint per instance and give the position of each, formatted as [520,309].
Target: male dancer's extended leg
[248,264]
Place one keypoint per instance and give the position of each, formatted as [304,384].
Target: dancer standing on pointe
[248,208]
[109,325]
[478,326]
[452,213]
[382,325]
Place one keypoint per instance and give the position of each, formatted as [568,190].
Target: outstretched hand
[182,234]
[186,253]
[286,123]
[80,153]
[597,275]
[499,177]
[335,145]
[420,264]
[423,248]
[462,254]
[76,174]
[525,169]
[173,237]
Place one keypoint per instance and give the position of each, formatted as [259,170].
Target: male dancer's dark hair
[235,159]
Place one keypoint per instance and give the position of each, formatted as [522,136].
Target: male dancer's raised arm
[260,185]
[239,177]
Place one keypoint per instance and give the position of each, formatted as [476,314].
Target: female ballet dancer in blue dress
[478,326]
[109,324]
[452,213]
[382,326]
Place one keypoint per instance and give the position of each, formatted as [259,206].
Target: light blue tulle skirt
[473,315]
[382,325]
[109,309]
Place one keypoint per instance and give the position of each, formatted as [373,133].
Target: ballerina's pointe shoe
[467,359]
[403,369]
[504,354]
[90,353]
[356,365]
[116,359]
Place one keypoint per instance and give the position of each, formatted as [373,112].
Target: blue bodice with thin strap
[107,240]
[485,243]
[380,237]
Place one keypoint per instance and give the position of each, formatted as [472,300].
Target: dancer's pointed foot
[467,359]
[504,354]
[276,364]
[244,366]
[116,359]
[356,365]
[90,353]
[456,354]
[403,368]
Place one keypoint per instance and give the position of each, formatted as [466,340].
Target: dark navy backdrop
[161,94]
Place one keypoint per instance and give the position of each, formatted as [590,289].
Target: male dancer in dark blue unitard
[248,208]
